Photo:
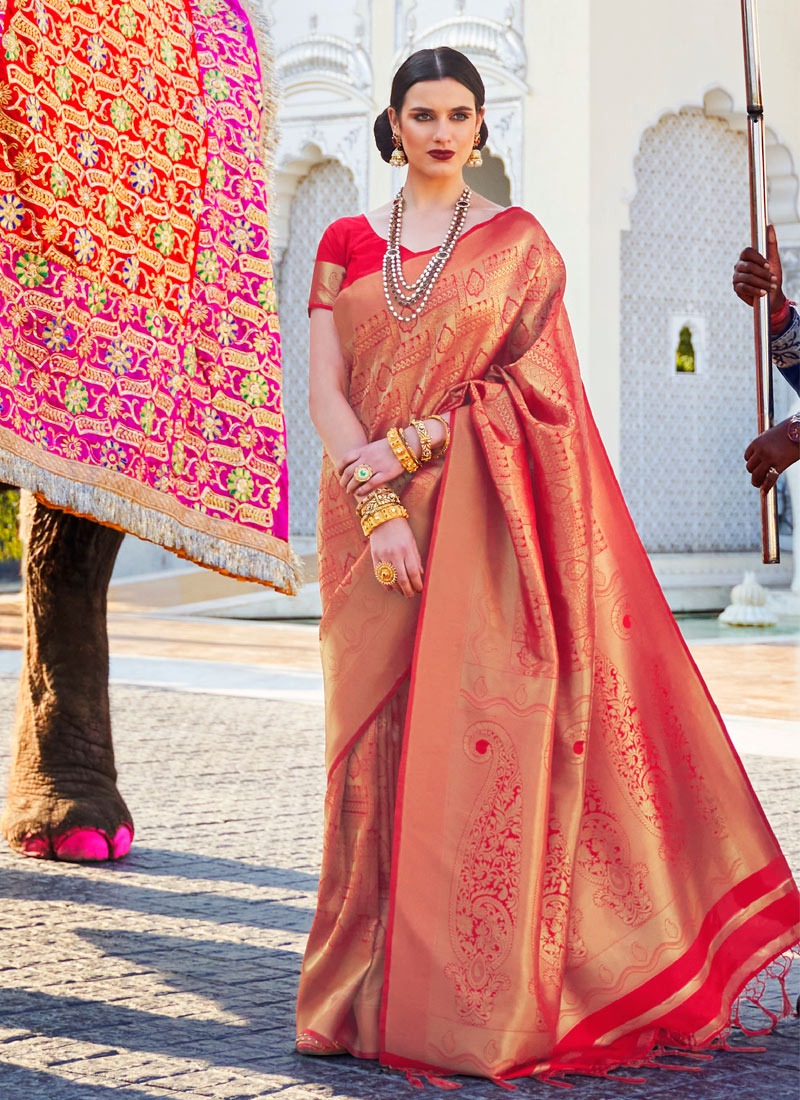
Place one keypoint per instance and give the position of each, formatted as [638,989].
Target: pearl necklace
[411,298]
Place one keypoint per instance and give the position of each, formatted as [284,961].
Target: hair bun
[383,135]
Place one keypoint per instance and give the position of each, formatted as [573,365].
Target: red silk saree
[541,851]
[140,380]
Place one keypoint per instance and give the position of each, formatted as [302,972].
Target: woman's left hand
[379,457]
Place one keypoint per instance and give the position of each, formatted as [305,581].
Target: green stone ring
[363,473]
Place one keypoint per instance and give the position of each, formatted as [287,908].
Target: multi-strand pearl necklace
[411,298]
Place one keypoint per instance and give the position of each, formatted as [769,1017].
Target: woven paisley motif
[486,891]
[140,374]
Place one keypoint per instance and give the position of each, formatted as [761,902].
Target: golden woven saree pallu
[401,450]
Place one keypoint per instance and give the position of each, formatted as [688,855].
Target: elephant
[63,801]
[140,383]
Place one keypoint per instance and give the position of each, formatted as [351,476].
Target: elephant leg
[63,801]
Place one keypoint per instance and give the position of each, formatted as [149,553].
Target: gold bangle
[401,450]
[425,450]
[383,515]
[440,453]
[376,499]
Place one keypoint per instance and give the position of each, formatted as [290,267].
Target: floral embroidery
[147,82]
[87,149]
[216,85]
[32,269]
[207,266]
[34,112]
[76,396]
[174,144]
[96,51]
[242,236]
[111,211]
[123,247]
[57,335]
[84,246]
[127,20]
[11,211]
[164,238]
[168,55]
[121,115]
[211,425]
[119,357]
[59,184]
[142,178]
[113,455]
[96,298]
[63,82]
[254,389]
[154,322]
[241,484]
[227,328]
[11,45]
[147,417]
[216,173]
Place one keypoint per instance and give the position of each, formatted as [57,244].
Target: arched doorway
[687,402]
[326,193]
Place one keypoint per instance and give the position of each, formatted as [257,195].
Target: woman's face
[437,125]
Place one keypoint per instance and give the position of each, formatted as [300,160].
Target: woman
[541,851]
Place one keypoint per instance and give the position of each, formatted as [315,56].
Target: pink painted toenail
[121,844]
[36,846]
[82,845]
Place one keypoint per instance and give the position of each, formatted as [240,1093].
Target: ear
[393,118]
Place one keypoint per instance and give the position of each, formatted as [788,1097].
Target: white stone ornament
[748,606]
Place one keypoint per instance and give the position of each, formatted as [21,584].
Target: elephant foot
[79,845]
[70,830]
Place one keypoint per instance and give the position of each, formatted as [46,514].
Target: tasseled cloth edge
[272,562]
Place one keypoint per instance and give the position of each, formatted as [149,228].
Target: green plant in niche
[684,356]
[10,546]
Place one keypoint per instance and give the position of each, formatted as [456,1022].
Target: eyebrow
[420,108]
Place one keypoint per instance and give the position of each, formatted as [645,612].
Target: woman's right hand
[753,276]
[394,542]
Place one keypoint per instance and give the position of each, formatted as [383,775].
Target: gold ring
[386,573]
[363,473]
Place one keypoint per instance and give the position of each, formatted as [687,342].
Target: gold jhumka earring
[398,158]
[475,160]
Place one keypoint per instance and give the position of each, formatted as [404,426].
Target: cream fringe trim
[276,564]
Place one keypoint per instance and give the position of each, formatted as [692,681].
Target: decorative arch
[783,182]
[683,433]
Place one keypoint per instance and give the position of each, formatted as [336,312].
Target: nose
[442,131]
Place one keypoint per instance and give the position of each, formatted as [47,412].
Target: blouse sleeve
[329,268]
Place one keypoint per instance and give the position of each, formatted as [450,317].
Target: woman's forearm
[337,425]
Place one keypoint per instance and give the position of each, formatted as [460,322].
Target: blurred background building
[621,126]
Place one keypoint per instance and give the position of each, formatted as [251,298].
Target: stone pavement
[173,973]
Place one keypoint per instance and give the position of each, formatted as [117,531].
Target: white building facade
[621,126]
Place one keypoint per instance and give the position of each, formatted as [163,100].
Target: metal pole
[770,547]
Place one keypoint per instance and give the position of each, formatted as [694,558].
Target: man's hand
[754,276]
[769,455]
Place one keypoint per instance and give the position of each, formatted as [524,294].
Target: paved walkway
[173,973]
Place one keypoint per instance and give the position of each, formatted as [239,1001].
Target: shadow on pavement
[165,861]
[18,1083]
[115,893]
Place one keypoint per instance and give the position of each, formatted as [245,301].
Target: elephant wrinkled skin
[63,801]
